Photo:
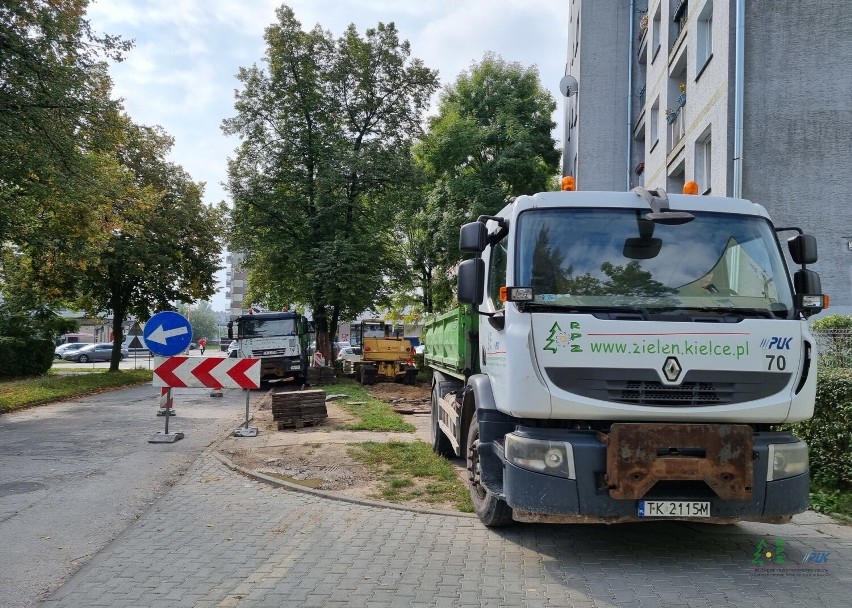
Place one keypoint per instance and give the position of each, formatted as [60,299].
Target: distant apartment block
[748,98]
[235,285]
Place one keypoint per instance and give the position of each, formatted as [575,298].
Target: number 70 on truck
[627,357]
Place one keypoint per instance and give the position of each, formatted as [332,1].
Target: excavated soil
[317,456]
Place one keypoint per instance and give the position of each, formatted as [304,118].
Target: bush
[829,432]
[833,334]
[25,356]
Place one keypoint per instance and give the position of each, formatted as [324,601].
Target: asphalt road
[75,474]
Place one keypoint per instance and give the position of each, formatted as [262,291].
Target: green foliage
[372,414]
[490,141]
[326,132]
[25,356]
[434,479]
[834,336]
[829,433]
[833,322]
[202,319]
[53,101]
[23,317]
[831,501]
[45,389]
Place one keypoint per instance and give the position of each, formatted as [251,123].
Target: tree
[203,320]
[54,98]
[327,132]
[163,243]
[490,141]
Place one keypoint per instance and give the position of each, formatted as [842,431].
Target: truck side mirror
[809,297]
[230,330]
[803,249]
[470,282]
[473,237]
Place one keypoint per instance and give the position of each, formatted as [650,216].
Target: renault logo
[672,369]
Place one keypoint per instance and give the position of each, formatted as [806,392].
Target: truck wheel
[440,443]
[492,511]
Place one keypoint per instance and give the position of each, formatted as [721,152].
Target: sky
[180,74]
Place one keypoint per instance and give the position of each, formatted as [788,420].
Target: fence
[835,347]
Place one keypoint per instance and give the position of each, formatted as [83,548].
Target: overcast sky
[180,74]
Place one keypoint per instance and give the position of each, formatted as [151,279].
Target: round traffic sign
[167,333]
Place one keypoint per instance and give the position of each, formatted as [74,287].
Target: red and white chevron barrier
[206,372]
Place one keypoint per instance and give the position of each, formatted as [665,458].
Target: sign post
[195,372]
[166,334]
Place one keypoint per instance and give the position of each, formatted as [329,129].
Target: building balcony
[676,127]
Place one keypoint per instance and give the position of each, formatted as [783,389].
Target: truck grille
[642,387]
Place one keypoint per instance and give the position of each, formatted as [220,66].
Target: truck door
[492,342]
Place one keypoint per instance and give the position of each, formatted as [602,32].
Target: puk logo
[816,557]
[561,339]
[776,343]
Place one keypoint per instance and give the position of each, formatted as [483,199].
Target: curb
[331,495]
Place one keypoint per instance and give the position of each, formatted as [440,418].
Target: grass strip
[413,472]
[26,392]
[372,414]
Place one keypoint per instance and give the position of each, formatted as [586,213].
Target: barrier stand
[167,404]
[166,437]
[245,430]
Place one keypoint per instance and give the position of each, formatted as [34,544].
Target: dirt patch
[318,456]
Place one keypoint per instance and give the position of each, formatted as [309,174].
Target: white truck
[628,356]
[278,339]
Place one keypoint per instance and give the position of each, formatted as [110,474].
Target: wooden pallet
[299,408]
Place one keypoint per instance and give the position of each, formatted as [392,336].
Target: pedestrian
[201,344]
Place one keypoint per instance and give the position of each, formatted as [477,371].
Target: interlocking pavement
[220,539]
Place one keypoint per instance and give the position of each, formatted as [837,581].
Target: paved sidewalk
[218,538]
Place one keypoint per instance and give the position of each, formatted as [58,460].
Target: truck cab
[278,339]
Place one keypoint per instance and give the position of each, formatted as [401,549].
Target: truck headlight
[548,457]
[786,460]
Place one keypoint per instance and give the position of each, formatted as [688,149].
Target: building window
[655,44]
[704,162]
[654,122]
[704,44]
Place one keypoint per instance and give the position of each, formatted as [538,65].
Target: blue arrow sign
[167,333]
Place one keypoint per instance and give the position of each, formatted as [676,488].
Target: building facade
[235,285]
[748,98]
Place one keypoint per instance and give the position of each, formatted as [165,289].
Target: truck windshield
[603,258]
[266,328]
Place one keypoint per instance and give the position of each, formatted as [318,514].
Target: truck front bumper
[280,367]
[582,491]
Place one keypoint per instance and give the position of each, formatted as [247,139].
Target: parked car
[349,353]
[93,352]
[67,348]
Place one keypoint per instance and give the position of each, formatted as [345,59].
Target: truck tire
[492,511]
[440,443]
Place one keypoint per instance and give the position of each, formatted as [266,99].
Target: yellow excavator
[385,355]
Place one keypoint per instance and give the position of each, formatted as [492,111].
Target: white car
[349,353]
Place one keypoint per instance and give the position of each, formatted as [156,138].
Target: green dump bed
[451,342]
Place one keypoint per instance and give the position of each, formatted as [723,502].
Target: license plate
[673,508]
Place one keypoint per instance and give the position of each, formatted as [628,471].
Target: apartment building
[235,285]
[748,98]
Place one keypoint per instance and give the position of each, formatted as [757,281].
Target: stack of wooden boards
[299,408]
[320,375]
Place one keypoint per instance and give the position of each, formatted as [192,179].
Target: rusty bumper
[640,455]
